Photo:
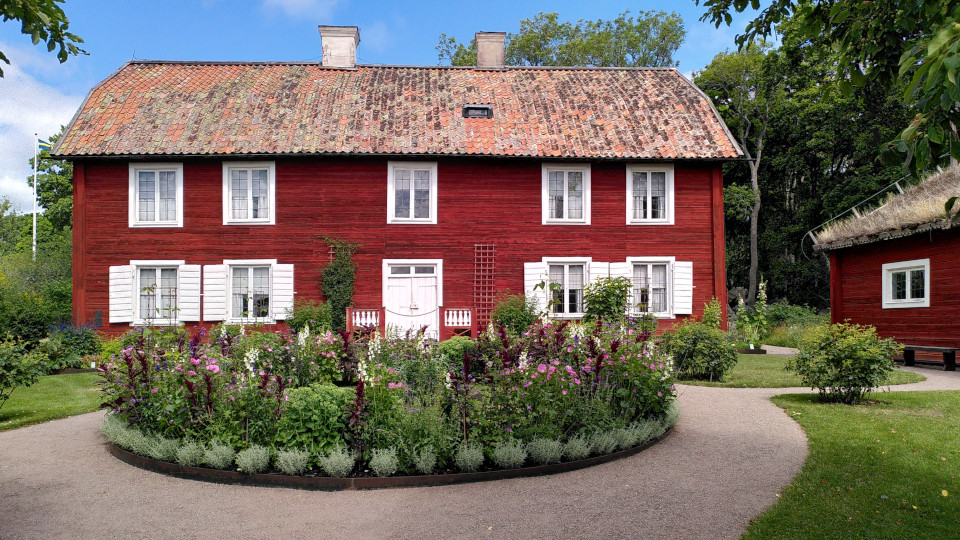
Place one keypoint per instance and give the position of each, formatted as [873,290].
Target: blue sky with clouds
[37,94]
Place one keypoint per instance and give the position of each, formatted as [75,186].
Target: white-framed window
[156,195]
[650,194]
[250,292]
[411,192]
[567,278]
[249,193]
[652,285]
[906,284]
[566,194]
[154,292]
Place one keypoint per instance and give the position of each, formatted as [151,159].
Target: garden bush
[469,457]
[314,418]
[254,460]
[67,346]
[457,347]
[425,461]
[576,448]
[700,351]
[384,461]
[844,362]
[515,312]
[316,315]
[338,462]
[219,456]
[509,454]
[293,462]
[712,314]
[606,299]
[545,451]
[190,454]
[17,367]
[163,449]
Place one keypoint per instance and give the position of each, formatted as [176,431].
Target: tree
[746,87]
[42,20]
[54,187]
[914,45]
[650,39]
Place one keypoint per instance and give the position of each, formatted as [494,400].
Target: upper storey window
[411,192]
[566,194]
[650,194]
[156,195]
[249,193]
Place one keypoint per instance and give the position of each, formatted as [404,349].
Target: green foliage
[190,454]
[699,351]
[314,419]
[384,461]
[17,368]
[337,281]
[712,314]
[254,460]
[42,20]
[54,188]
[293,462]
[509,454]
[752,324]
[456,348]
[576,448]
[163,449]
[737,201]
[650,39]
[782,313]
[844,362]
[316,315]
[469,457]
[606,299]
[67,346]
[545,451]
[603,442]
[219,455]
[338,462]
[515,312]
[425,461]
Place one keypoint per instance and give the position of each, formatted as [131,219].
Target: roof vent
[476,110]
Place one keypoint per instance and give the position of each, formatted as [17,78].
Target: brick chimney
[490,49]
[339,45]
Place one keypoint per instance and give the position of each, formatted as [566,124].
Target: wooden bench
[949,355]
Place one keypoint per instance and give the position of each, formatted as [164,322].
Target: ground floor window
[650,288]
[250,292]
[157,290]
[566,288]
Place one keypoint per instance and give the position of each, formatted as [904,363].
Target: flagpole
[35,143]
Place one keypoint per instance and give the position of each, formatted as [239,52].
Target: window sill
[400,221]
[650,222]
[249,222]
[565,222]
[157,224]
[888,304]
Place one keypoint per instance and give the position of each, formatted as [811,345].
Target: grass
[887,469]
[52,397]
[768,371]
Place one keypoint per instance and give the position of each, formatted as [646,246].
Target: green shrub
[307,312]
[700,351]
[17,367]
[782,313]
[469,457]
[219,456]
[794,335]
[425,461]
[626,437]
[606,298]
[602,442]
[384,461]
[509,454]
[254,460]
[712,314]
[545,451]
[456,348]
[337,281]
[190,454]
[338,462]
[163,449]
[293,462]
[844,362]
[515,312]
[575,448]
[314,418]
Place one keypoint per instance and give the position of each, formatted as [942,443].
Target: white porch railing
[458,318]
[366,317]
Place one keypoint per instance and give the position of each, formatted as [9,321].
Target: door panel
[411,303]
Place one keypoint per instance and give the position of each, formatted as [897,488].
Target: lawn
[887,469]
[52,397]
[768,371]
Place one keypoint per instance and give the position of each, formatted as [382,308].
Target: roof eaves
[716,114]
[55,151]
[943,224]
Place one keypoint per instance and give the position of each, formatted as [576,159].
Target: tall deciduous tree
[911,45]
[54,187]
[42,20]
[650,39]
[747,88]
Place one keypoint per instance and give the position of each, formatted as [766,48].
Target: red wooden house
[898,268]
[201,189]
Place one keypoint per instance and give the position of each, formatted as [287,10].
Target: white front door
[412,296]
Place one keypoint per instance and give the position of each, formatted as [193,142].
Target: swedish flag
[44,145]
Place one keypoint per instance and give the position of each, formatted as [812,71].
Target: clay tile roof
[184,108]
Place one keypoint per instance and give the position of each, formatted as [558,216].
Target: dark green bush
[68,345]
[314,419]
[606,299]
[712,314]
[307,312]
[784,314]
[456,348]
[700,351]
[844,362]
[337,281]
[515,312]
[17,367]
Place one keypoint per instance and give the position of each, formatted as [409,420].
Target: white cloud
[377,36]
[302,8]
[27,106]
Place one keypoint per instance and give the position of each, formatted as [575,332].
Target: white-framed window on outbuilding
[247,291]
[411,192]
[154,292]
[249,193]
[565,194]
[650,194]
[155,196]
[906,284]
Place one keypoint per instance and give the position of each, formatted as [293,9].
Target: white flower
[522,364]
[250,359]
[303,335]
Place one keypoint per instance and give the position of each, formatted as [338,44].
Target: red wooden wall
[855,288]
[494,201]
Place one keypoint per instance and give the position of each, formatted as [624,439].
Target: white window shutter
[683,288]
[599,270]
[215,292]
[121,294]
[534,274]
[188,294]
[282,301]
[621,269]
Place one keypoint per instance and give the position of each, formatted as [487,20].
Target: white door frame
[438,263]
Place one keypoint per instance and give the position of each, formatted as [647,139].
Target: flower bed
[329,404]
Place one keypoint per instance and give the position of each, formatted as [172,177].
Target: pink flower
[533,376]
[569,349]
[195,361]
[155,390]
[564,392]
[191,372]
[659,394]
[542,368]
[214,368]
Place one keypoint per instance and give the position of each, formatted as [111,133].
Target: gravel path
[724,463]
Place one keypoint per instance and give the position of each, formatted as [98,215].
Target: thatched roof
[918,209]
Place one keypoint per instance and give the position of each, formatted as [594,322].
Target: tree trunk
[754,218]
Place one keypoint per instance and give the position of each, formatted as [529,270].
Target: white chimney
[490,49]
[339,45]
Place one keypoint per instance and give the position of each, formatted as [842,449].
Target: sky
[38,94]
